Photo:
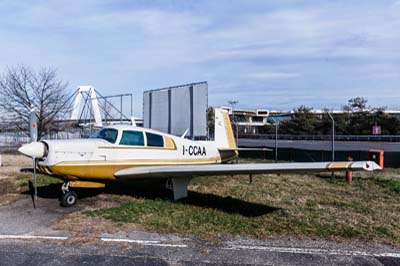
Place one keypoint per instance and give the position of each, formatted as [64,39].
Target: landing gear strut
[178,186]
[68,197]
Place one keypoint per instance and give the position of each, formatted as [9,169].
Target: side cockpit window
[109,134]
[154,140]
[134,138]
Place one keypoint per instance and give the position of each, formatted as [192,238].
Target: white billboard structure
[89,104]
[94,102]
[177,109]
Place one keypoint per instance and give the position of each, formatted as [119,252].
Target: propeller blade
[32,193]
[33,186]
[35,178]
[33,129]
[33,125]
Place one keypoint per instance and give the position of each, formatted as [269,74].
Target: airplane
[121,152]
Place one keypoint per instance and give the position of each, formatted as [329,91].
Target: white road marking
[143,242]
[315,251]
[33,237]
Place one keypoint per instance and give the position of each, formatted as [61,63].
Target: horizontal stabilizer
[233,169]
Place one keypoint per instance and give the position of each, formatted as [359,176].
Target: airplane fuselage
[99,158]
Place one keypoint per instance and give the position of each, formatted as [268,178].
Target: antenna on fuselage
[133,121]
[185,133]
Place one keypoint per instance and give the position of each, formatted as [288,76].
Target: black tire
[69,199]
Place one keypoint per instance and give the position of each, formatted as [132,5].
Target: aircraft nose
[34,149]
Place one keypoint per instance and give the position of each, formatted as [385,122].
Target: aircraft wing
[176,171]
[245,149]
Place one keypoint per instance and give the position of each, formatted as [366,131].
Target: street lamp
[333,136]
[276,122]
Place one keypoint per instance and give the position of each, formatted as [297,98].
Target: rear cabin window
[154,140]
[134,138]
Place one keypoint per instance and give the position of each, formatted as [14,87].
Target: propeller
[35,150]
[34,135]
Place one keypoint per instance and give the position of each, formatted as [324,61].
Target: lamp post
[333,136]
[276,122]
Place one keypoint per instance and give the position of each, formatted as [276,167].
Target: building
[248,121]
[251,121]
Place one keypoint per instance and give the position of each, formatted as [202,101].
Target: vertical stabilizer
[224,137]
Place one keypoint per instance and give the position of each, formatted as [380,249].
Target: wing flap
[236,169]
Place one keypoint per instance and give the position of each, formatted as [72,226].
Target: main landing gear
[179,187]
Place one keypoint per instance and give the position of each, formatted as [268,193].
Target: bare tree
[358,104]
[22,88]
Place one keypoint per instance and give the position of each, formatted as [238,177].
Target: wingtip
[372,166]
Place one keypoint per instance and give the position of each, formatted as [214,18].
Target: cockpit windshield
[108,134]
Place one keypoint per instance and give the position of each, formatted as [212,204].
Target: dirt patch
[9,198]
[87,228]
[15,160]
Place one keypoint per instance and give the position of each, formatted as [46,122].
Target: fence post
[349,174]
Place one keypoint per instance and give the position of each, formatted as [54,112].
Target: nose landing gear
[68,197]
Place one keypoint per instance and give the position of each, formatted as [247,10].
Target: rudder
[224,137]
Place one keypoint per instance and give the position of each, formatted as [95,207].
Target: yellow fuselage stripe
[105,170]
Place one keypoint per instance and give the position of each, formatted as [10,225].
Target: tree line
[357,118]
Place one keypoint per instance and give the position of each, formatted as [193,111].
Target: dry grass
[11,164]
[10,176]
[12,182]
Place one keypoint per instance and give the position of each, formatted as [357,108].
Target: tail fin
[224,137]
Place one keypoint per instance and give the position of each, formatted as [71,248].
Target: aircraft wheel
[69,199]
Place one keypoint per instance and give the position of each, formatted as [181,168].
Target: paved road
[20,217]
[38,253]
[322,145]
[19,220]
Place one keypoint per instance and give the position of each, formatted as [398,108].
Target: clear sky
[273,54]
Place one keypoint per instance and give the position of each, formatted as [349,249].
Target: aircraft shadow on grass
[156,190]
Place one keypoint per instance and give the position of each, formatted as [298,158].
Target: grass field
[302,205]
[291,205]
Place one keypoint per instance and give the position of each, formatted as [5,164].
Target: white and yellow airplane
[129,152]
